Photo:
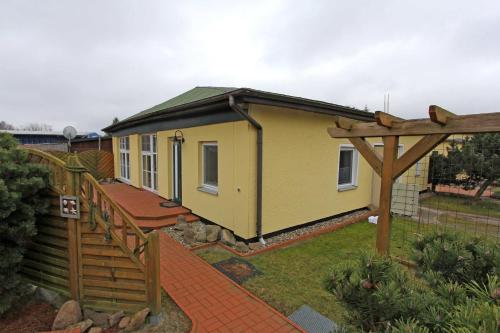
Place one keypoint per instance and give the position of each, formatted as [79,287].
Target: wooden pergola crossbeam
[468,124]
[440,125]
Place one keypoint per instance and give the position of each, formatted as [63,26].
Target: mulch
[237,269]
[31,317]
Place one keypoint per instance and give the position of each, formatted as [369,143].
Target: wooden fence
[102,258]
[99,163]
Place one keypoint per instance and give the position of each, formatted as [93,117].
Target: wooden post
[152,261]
[74,172]
[384,219]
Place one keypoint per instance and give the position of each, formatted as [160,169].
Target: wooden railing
[122,237]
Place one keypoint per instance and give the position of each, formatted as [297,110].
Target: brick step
[158,224]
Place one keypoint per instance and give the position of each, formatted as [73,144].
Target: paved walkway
[213,302]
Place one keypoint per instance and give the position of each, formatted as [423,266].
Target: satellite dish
[69,132]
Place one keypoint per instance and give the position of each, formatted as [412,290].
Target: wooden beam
[371,156]
[384,218]
[468,124]
[344,123]
[416,152]
[440,115]
[385,119]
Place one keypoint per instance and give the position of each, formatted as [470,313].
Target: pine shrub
[21,200]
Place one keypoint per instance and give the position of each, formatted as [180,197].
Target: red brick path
[213,302]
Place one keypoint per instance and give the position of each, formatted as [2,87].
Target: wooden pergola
[389,167]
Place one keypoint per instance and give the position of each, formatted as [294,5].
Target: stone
[188,236]
[49,296]
[200,233]
[227,237]
[255,246]
[83,325]
[99,318]
[181,223]
[213,233]
[96,330]
[241,247]
[115,318]
[124,322]
[70,313]
[137,320]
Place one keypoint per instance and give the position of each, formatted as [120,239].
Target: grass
[454,223]
[296,275]
[484,207]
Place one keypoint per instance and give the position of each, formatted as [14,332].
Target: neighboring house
[92,143]
[45,140]
[202,150]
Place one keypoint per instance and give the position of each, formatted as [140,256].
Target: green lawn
[295,275]
[452,223]
[486,207]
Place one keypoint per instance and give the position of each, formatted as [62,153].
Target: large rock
[124,322]
[96,330]
[242,247]
[83,325]
[189,235]
[181,223]
[70,313]
[200,233]
[213,233]
[99,318]
[137,320]
[115,318]
[227,237]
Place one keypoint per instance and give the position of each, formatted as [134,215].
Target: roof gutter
[258,127]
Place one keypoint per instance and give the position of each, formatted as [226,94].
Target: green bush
[21,186]
[456,259]
[455,289]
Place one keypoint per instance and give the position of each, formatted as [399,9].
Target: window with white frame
[348,167]
[149,162]
[125,157]
[209,168]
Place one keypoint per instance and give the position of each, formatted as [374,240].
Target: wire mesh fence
[455,188]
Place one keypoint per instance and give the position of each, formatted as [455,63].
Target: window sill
[124,180]
[346,188]
[208,190]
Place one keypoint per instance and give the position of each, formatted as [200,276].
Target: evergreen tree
[21,188]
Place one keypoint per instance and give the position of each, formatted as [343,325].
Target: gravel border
[277,239]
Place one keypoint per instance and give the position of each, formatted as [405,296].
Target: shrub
[377,292]
[21,185]
[456,259]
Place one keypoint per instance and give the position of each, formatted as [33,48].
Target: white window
[125,158]
[209,169]
[348,167]
[149,162]
[418,169]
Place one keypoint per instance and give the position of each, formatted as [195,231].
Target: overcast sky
[85,62]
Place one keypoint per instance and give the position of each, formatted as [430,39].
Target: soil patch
[237,269]
[33,316]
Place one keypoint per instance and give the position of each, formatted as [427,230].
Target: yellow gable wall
[300,169]
[230,208]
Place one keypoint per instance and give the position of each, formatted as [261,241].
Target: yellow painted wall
[300,169]
[230,208]
[115,143]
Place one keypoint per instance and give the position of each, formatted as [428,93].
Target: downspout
[258,127]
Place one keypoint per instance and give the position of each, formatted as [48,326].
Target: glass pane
[127,143]
[210,165]
[146,143]
[154,143]
[345,167]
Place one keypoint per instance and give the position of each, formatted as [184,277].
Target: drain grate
[236,269]
[312,321]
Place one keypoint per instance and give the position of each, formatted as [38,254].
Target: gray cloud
[85,62]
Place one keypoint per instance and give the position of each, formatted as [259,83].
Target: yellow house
[250,161]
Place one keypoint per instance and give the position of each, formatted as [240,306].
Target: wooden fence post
[74,172]
[384,219]
[152,261]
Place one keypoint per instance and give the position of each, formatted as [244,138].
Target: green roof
[193,95]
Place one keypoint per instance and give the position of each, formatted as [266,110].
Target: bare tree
[5,126]
[37,127]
